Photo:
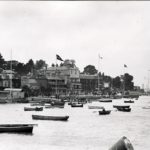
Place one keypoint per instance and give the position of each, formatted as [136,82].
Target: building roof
[12,89]
[86,76]
[8,71]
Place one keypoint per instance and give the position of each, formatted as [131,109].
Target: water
[85,129]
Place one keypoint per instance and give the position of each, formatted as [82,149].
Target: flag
[125,66]
[59,58]
[100,57]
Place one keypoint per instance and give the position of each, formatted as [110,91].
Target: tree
[129,85]
[117,82]
[27,90]
[29,66]
[40,64]
[2,61]
[20,69]
[90,69]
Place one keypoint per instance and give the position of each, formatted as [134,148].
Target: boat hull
[124,109]
[55,118]
[76,105]
[122,144]
[105,100]
[121,106]
[16,128]
[105,112]
[128,101]
[54,106]
[33,109]
[95,107]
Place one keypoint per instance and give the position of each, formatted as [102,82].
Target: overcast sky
[79,30]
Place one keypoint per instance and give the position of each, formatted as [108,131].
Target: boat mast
[148,89]
[11,76]
[56,79]
[99,57]
[123,92]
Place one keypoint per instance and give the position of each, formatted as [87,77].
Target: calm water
[85,129]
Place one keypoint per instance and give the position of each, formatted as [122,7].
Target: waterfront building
[64,79]
[7,77]
[33,82]
[89,83]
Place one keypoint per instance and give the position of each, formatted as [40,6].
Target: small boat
[37,104]
[69,103]
[76,105]
[3,101]
[55,106]
[95,107]
[124,109]
[122,144]
[104,112]
[105,100]
[148,107]
[128,101]
[121,106]
[56,118]
[16,128]
[58,103]
[33,109]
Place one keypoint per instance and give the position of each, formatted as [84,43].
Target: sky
[118,31]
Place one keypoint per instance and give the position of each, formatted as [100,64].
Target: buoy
[122,144]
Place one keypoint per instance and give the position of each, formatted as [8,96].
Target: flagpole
[59,58]
[123,81]
[123,93]
[98,74]
[11,76]
[56,78]
[98,70]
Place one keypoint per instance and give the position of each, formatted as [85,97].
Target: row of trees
[22,68]
[125,80]
[31,66]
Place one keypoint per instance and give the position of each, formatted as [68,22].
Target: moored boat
[3,101]
[55,106]
[33,109]
[95,107]
[124,109]
[76,105]
[104,112]
[55,118]
[57,103]
[105,100]
[147,107]
[37,104]
[121,106]
[128,101]
[122,144]
[17,128]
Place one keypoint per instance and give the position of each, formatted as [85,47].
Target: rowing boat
[33,109]
[56,118]
[95,107]
[17,128]
[104,112]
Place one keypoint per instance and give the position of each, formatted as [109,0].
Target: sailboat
[8,96]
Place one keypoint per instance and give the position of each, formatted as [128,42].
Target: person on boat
[103,109]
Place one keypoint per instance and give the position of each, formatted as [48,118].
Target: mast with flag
[99,58]
[11,76]
[60,59]
[123,92]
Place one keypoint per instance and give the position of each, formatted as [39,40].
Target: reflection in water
[84,130]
